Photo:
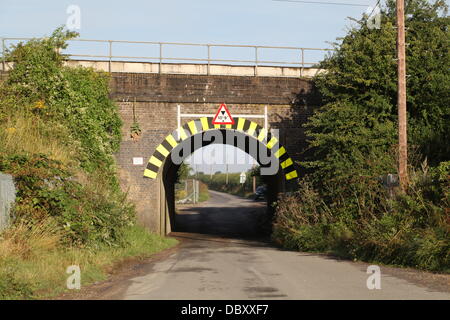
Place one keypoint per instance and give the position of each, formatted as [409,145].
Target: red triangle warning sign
[223,116]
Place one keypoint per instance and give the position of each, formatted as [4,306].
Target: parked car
[260,192]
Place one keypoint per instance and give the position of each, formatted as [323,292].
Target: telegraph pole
[401,97]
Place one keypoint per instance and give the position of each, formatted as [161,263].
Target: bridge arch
[194,127]
[161,166]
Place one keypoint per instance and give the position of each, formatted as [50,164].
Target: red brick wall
[290,101]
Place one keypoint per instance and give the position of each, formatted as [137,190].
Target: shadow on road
[225,216]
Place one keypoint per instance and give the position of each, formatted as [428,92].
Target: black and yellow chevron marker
[252,126]
[159,156]
[286,163]
[291,175]
[240,124]
[181,134]
[206,125]
[194,127]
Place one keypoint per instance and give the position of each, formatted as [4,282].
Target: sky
[219,157]
[254,22]
[232,21]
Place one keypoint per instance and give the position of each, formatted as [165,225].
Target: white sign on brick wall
[138,161]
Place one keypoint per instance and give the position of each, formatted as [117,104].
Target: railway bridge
[173,101]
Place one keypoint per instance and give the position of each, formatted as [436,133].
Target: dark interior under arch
[276,183]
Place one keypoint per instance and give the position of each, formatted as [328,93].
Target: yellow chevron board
[152,168]
[286,163]
[188,129]
[240,124]
[171,140]
[196,126]
[150,174]
[291,175]
[258,132]
[180,134]
[272,142]
[204,124]
[191,128]
[280,152]
[252,129]
[160,155]
[156,161]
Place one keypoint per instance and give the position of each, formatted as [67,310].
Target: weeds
[58,130]
[33,262]
[409,230]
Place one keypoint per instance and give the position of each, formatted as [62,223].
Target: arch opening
[277,167]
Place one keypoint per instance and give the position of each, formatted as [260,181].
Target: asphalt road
[222,257]
[223,215]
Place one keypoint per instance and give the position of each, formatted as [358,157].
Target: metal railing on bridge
[256,61]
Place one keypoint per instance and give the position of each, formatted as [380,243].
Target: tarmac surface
[222,257]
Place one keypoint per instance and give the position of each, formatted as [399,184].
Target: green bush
[73,180]
[11,286]
[341,206]
[91,116]
[411,229]
[58,130]
[90,213]
[78,98]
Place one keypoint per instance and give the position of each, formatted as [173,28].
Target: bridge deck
[190,68]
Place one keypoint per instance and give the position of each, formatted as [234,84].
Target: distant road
[215,262]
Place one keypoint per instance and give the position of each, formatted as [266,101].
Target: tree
[76,97]
[354,133]
[341,207]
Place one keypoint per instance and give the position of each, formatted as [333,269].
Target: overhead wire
[325,3]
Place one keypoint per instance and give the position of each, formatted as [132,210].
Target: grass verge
[33,264]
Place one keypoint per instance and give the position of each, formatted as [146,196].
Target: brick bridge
[154,98]
[152,93]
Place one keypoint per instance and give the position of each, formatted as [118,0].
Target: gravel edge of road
[118,278]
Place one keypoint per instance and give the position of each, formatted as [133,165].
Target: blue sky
[244,21]
[255,22]
[258,22]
